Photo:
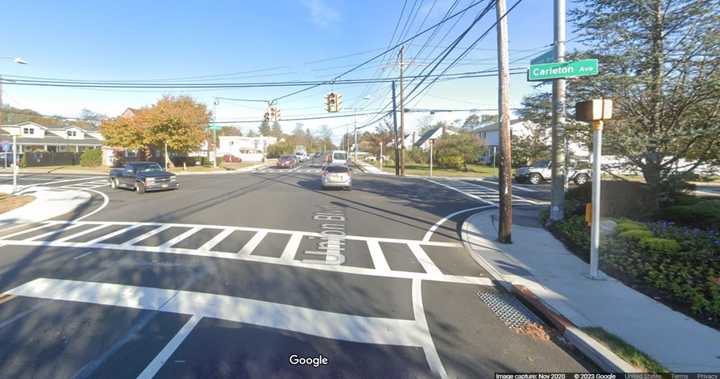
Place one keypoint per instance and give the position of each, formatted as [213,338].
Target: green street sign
[546,57]
[214,127]
[547,71]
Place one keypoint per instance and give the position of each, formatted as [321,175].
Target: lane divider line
[431,353]
[159,361]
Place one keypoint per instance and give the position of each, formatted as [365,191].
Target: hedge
[91,158]
[702,214]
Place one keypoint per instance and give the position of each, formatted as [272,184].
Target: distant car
[231,158]
[540,171]
[287,161]
[301,156]
[337,176]
[337,157]
[143,177]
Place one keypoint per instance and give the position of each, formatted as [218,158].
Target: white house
[249,149]
[489,132]
[36,137]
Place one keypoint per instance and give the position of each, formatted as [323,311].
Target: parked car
[231,158]
[143,177]
[287,161]
[336,176]
[301,156]
[541,170]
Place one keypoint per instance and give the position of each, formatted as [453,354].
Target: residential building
[433,134]
[249,149]
[32,136]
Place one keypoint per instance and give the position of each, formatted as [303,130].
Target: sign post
[595,111]
[562,70]
[432,142]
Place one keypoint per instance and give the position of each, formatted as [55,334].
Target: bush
[91,158]
[575,233]
[635,234]
[660,245]
[702,214]
[451,161]
[418,155]
[625,225]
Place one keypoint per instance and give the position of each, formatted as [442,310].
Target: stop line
[481,193]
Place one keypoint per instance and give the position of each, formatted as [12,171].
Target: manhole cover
[508,309]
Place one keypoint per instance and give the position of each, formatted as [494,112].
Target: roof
[54,140]
[426,136]
[493,126]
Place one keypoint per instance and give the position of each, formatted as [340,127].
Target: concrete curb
[49,203]
[105,173]
[588,346]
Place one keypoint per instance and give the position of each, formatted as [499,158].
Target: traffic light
[272,114]
[266,116]
[333,102]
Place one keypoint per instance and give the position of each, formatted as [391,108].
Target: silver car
[337,176]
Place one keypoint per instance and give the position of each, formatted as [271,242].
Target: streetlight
[17,60]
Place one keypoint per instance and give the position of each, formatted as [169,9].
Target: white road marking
[485,194]
[425,261]
[432,230]
[27,231]
[113,234]
[84,232]
[58,231]
[291,248]
[146,235]
[377,256]
[84,254]
[253,243]
[339,326]
[156,364]
[464,193]
[180,237]
[106,201]
[67,180]
[431,354]
[207,246]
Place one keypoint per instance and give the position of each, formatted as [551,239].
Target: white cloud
[320,13]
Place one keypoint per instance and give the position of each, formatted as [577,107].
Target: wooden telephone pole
[402,113]
[505,224]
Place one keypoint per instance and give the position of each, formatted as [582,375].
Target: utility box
[593,110]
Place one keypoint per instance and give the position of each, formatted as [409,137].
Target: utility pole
[505,178]
[397,153]
[557,204]
[432,142]
[402,113]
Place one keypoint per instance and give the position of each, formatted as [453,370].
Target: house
[32,136]
[489,132]
[249,149]
[431,135]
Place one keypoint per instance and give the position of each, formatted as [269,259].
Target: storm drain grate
[508,309]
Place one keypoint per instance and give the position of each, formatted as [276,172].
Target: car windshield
[540,164]
[337,169]
[339,156]
[286,157]
[146,168]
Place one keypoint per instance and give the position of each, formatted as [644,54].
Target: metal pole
[14,163]
[356,143]
[402,114]
[557,204]
[505,178]
[397,153]
[595,225]
[431,156]
[381,153]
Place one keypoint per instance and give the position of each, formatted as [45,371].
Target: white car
[301,157]
[337,176]
[541,171]
[338,157]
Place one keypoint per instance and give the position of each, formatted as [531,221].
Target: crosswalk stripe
[84,232]
[27,231]
[292,246]
[207,246]
[422,257]
[180,237]
[253,243]
[146,235]
[377,256]
[113,234]
[61,230]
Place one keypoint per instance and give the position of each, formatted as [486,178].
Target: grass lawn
[424,170]
[10,202]
[625,351]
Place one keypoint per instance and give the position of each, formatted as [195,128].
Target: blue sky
[250,41]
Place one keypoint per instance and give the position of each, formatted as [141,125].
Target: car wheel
[581,179]
[113,183]
[348,188]
[139,187]
[535,178]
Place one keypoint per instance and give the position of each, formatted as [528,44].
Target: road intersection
[218,280]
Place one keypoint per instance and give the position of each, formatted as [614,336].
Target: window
[72,133]
[28,131]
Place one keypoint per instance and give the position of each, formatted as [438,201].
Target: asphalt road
[246,275]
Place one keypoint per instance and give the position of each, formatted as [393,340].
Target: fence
[48,158]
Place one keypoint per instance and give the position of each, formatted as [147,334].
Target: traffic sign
[546,57]
[214,127]
[547,71]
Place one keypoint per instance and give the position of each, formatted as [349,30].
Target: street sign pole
[14,163]
[557,203]
[596,178]
[431,155]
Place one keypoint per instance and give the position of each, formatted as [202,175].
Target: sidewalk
[556,277]
[48,203]
[370,169]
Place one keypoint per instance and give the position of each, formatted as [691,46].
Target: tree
[264,128]
[251,133]
[661,66]
[177,123]
[457,150]
[276,130]
[123,132]
[471,122]
[92,117]
[229,131]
